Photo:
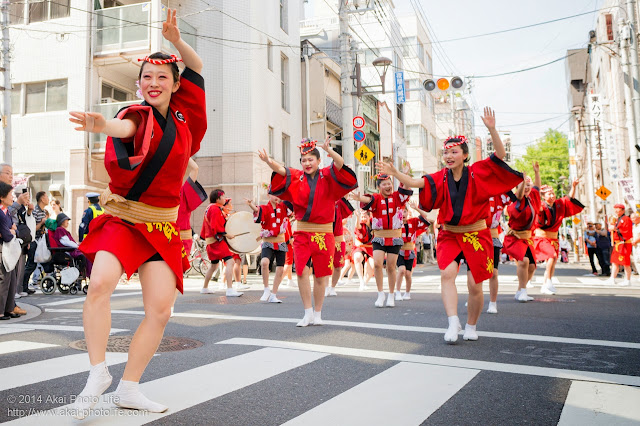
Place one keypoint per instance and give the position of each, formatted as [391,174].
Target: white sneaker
[610,281]
[363,288]
[625,283]
[340,283]
[493,308]
[470,333]
[331,292]
[530,284]
[206,290]
[545,289]
[391,301]
[285,284]
[233,293]
[551,286]
[265,295]
[240,286]
[17,296]
[451,336]
[379,301]
[273,299]
[222,286]
[326,291]
[398,295]
[406,296]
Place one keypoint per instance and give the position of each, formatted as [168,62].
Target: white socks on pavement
[273,298]
[233,293]
[265,294]
[470,332]
[451,336]
[317,318]
[206,290]
[529,284]
[129,396]
[380,300]
[547,288]
[625,283]
[390,300]
[99,381]
[398,295]
[522,296]
[362,287]
[308,318]
[493,308]
[331,291]
[406,296]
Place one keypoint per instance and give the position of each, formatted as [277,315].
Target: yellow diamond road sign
[603,192]
[364,155]
[576,220]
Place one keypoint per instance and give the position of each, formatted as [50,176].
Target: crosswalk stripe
[192,387]
[449,362]
[600,404]
[31,327]
[11,346]
[379,326]
[54,368]
[82,299]
[412,392]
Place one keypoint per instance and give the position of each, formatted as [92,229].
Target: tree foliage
[552,153]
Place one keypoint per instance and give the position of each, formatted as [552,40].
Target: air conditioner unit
[107,101]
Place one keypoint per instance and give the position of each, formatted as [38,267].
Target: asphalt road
[570,358]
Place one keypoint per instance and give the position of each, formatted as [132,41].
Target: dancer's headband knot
[171,60]
[452,141]
[381,176]
[545,188]
[307,146]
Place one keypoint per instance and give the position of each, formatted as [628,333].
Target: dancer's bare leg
[450,300]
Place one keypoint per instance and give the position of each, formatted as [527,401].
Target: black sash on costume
[457,196]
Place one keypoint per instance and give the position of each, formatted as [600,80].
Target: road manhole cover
[121,344]
[552,300]
[245,299]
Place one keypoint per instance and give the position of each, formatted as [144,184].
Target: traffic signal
[444,84]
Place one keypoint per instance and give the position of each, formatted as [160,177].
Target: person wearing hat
[89,214]
[622,232]
[591,241]
[63,238]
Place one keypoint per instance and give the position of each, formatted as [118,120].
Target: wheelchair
[62,263]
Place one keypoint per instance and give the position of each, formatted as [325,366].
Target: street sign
[364,155]
[358,122]
[364,169]
[400,93]
[359,136]
[603,192]
[576,220]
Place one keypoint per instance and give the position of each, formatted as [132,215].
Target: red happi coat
[274,221]
[466,206]
[414,227]
[213,226]
[149,168]
[344,209]
[496,208]
[522,217]
[622,236]
[387,213]
[192,194]
[550,219]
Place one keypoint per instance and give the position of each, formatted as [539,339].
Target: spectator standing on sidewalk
[38,214]
[19,211]
[591,242]
[7,232]
[565,247]
[94,210]
[604,249]
[635,259]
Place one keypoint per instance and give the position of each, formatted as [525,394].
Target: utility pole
[604,204]
[6,94]
[634,78]
[346,85]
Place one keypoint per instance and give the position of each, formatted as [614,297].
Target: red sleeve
[119,153]
[341,181]
[402,196]
[193,194]
[432,195]
[345,208]
[257,216]
[285,187]
[495,177]
[571,206]
[626,228]
[373,204]
[534,197]
[190,100]
[217,223]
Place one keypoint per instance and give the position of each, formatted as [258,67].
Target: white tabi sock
[98,381]
[128,395]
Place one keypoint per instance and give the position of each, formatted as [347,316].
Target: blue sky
[519,98]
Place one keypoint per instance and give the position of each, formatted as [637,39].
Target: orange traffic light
[443,84]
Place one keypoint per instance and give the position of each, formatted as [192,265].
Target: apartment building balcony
[135,28]
[108,110]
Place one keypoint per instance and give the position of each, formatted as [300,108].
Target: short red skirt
[317,246]
[134,244]
[621,254]
[218,251]
[477,248]
[517,248]
[546,248]
[339,255]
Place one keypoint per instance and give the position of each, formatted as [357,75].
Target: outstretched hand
[354,196]
[248,201]
[413,205]
[536,167]
[170,29]
[386,168]
[489,118]
[575,182]
[262,153]
[325,145]
[93,122]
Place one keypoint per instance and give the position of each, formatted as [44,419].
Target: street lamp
[382,63]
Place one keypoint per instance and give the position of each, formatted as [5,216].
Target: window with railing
[29,11]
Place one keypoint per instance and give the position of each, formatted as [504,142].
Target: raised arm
[574,184]
[251,205]
[520,187]
[536,172]
[171,32]
[489,120]
[95,122]
[414,206]
[338,161]
[406,180]
[356,196]
[192,170]
[279,169]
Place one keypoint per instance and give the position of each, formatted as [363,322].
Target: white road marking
[493,334]
[54,368]
[12,346]
[32,327]
[10,330]
[192,387]
[601,404]
[412,392]
[82,299]
[449,362]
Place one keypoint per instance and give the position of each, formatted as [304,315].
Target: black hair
[379,181]
[464,147]
[39,195]
[175,71]
[94,200]
[215,195]
[313,152]
[5,189]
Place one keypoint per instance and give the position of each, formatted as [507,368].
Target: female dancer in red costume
[313,192]
[462,195]
[147,152]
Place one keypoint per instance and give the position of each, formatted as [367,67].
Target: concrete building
[250,50]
